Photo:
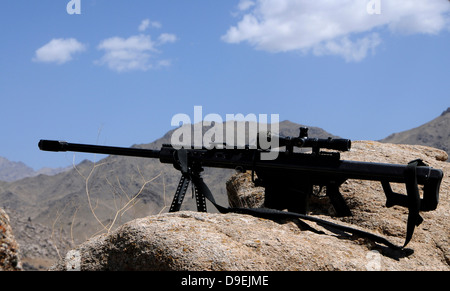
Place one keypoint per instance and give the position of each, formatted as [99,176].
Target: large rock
[9,249]
[205,241]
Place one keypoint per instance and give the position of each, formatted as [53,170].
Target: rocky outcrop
[9,249]
[207,241]
[242,193]
[203,241]
[40,245]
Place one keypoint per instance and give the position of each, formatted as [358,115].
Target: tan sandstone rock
[9,249]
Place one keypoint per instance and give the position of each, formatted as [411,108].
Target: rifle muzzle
[52,145]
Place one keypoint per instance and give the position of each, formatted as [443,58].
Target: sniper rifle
[290,178]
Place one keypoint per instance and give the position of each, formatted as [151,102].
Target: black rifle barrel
[62,146]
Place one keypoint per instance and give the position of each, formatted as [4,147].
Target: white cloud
[332,27]
[245,5]
[146,23]
[128,54]
[138,52]
[59,51]
[350,50]
[167,38]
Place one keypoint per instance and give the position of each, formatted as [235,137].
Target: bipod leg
[199,195]
[180,193]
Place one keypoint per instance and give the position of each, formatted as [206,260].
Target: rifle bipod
[189,173]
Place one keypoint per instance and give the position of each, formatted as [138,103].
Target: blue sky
[118,72]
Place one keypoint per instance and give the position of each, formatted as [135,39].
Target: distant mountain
[13,171]
[435,133]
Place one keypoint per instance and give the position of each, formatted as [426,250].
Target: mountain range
[435,133]
[12,171]
[91,198]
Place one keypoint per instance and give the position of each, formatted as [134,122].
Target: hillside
[435,133]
